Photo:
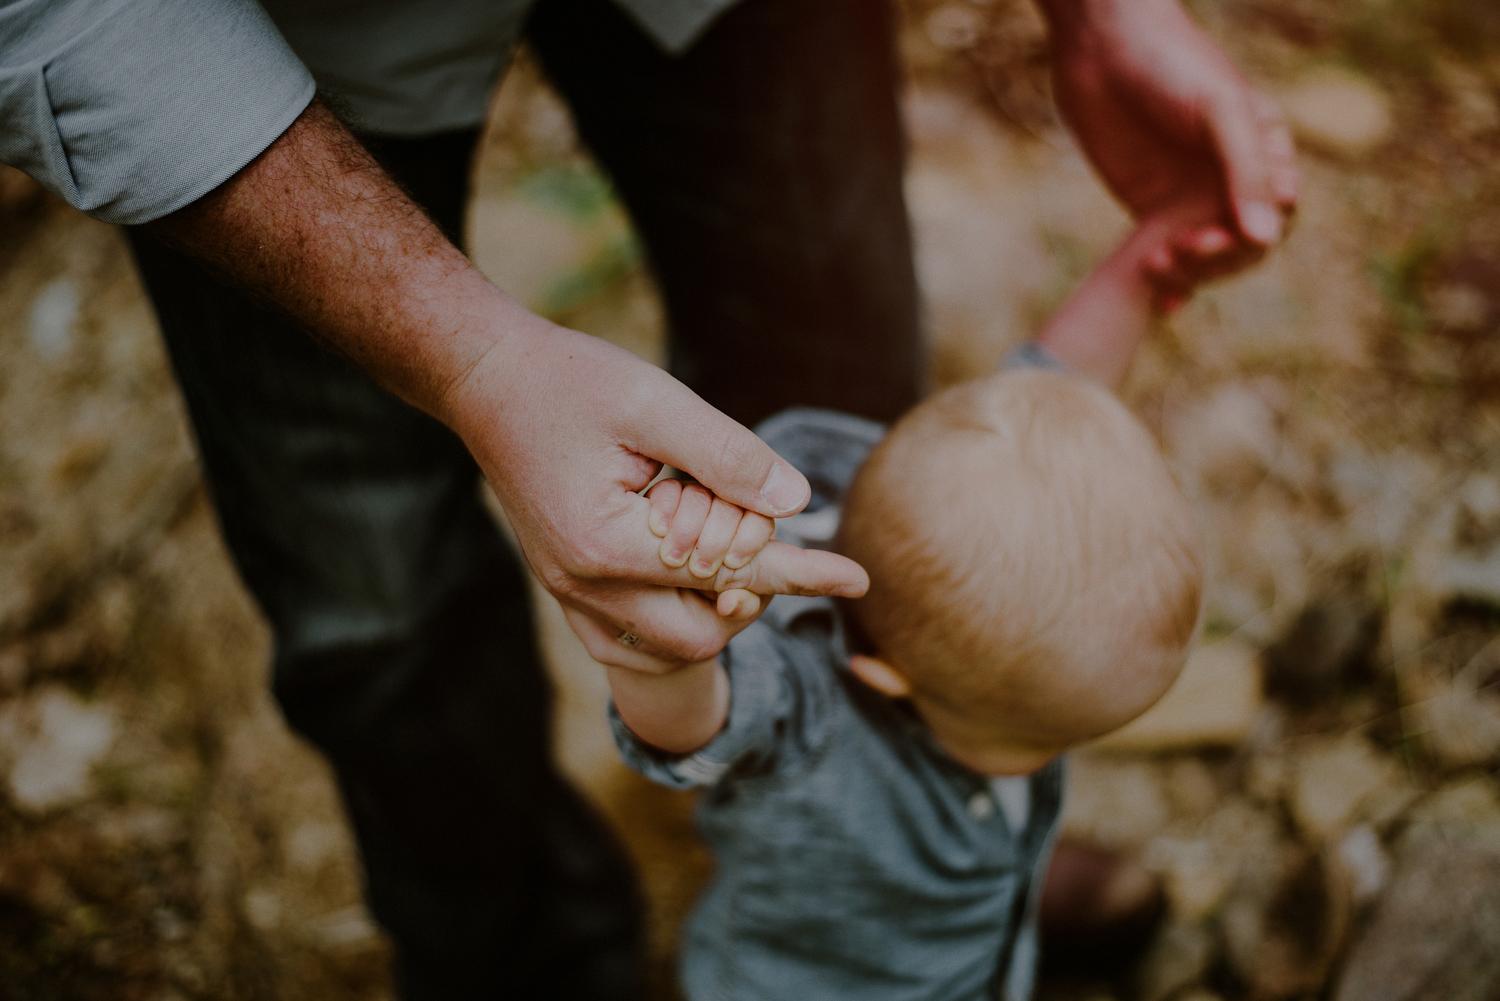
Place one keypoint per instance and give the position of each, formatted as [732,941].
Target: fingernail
[851,591]
[784,490]
[673,557]
[703,568]
[1213,241]
[734,561]
[658,524]
[1261,222]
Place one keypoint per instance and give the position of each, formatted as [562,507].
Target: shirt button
[981,805]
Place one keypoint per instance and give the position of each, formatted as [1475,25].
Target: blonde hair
[1029,552]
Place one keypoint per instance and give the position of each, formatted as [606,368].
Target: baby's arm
[1097,331]
[679,709]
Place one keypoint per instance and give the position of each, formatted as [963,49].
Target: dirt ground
[1319,793]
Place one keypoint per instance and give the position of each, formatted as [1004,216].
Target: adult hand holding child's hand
[1165,116]
[585,427]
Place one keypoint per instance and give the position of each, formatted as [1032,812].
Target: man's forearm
[317,227]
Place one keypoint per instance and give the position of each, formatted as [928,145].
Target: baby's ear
[880,676]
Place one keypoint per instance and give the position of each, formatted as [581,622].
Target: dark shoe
[1099,909]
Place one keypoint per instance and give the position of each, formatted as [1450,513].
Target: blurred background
[1319,793]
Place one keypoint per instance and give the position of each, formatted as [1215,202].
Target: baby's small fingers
[687,524]
[750,538]
[664,498]
[1203,254]
[714,540]
[1209,242]
[738,604]
[1281,151]
[1159,264]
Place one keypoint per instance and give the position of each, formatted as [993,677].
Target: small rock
[1338,111]
[1457,721]
[348,929]
[52,740]
[954,26]
[1435,935]
[1283,930]
[1237,844]
[263,908]
[53,314]
[1333,777]
[1178,958]
[1467,811]
[1368,865]
[1196,876]
[1266,776]
[1213,704]
[313,842]
[1330,645]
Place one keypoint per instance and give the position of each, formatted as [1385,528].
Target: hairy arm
[315,226]
[567,428]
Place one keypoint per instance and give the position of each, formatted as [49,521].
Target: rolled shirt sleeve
[758,701]
[779,706]
[130,109]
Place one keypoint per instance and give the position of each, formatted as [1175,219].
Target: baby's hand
[706,532]
[1183,246]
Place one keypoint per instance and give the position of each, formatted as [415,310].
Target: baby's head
[1035,572]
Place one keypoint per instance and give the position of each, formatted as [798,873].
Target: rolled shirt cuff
[131,109]
[1033,355]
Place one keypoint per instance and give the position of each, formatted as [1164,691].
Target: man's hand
[569,430]
[1164,115]
[566,427]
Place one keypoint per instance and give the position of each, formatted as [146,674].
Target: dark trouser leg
[404,645]
[763,170]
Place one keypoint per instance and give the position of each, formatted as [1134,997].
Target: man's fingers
[721,454]
[631,558]
[754,531]
[780,568]
[738,604]
[602,641]
[1281,152]
[687,524]
[714,540]
[664,498]
[669,627]
[1236,129]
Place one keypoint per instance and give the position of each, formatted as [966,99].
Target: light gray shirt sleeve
[130,109]
[675,24]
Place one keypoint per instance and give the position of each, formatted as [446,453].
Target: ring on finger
[629,638]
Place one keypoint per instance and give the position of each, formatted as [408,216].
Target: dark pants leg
[404,644]
[763,170]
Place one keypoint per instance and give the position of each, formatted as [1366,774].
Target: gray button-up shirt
[130,109]
[855,858]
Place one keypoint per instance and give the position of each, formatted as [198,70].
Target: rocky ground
[1319,793]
